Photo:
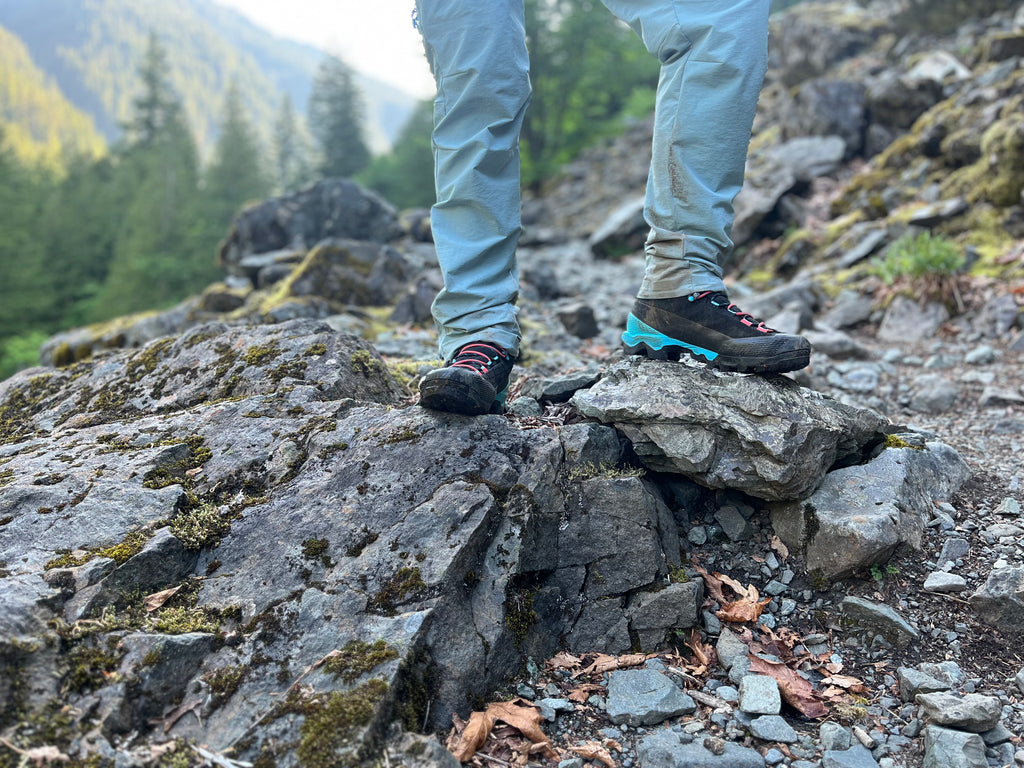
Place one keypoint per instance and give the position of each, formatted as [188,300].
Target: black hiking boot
[474,382]
[706,326]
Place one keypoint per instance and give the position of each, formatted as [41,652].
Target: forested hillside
[37,123]
[91,48]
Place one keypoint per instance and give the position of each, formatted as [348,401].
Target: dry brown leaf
[592,750]
[796,691]
[701,652]
[157,599]
[846,681]
[38,755]
[605,663]
[780,549]
[747,609]
[714,585]
[611,744]
[583,692]
[734,585]
[472,737]
[193,706]
[563,660]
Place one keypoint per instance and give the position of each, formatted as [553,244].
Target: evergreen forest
[91,230]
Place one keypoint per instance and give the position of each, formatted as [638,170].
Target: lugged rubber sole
[455,395]
[641,339]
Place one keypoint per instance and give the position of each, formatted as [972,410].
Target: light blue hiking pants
[713,55]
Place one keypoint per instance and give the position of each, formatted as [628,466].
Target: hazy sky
[375,37]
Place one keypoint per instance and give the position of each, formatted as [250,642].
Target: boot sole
[454,396]
[640,339]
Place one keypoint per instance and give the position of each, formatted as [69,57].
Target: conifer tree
[291,151]
[336,120]
[235,175]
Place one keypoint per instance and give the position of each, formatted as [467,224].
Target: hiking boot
[474,382]
[706,326]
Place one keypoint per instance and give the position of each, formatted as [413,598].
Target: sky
[375,37]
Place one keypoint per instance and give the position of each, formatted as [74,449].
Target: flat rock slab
[645,697]
[880,618]
[854,757]
[860,514]
[950,748]
[971,712]
[763,435]
[1000,601]
[664,748]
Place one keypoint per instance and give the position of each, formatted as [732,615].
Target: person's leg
[713,55]
[477,52]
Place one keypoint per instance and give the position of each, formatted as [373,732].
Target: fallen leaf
[38,755]
[747,609]
[714,585]
[157,599]
[192,706]
[592,750]
[846,681]
[795,690]
[605,663]
[611,744]
[734,585]
[780,549]
[701,651]
[518,713]
[473,736]
[563,660]
[583,692]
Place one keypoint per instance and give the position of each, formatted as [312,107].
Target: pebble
[645,697]
[854,757]
[834,736]
[772,728]
[759,695]
[944,583]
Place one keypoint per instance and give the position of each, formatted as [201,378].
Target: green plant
[917,257]
[880,572]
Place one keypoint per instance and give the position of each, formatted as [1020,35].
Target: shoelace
[721,300]
[477,357]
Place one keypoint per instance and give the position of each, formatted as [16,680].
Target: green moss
[180,621]
[314,350]
[405,434]
[331,722]
[175,473]
[152,658]
[89,668]
[6,477]
[316,549]
[260,354]
[24,402]
[588,470]
[121,552]
[895,441]
[146,361]
[293,369]
[678,575]
[520,616]
[357,658]
[225,681]
[366,538]
[405,584]
[200,526]
[365,363]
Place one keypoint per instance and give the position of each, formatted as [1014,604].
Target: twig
[426,715]
[947,596]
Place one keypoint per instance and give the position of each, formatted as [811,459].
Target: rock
[730,648]
[880,618]
[806,43]
[999,734]
[772,728]
[561,387]
[765,181]
[808,157]
[664,748]
[759,695]
[413,306]
[948,748]
[677,606]
[834,737]
[624,231]
[836,344]
[331,208]
[998,397]
[936,213]
[830,107]
[734,525]
[860,514]
[897,100]
[764,436]
[913,681]
[645,697]
[948,672]
[854,757]
[971,712]
[1000,601]
[411,750]
[906,320]
[850,308]
[578,319]
[350,272]
[944,583]
[954,548]
[934,394]
[1004,45]
[1019,679]
[855,245]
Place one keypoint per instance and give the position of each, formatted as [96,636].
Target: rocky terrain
[229,536]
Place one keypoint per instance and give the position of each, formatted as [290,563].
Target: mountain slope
[92,48]
[37,123]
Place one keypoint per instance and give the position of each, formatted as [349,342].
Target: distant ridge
[92,48]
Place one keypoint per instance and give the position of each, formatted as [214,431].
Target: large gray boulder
[1000,600]
[765,436]
[233,536]
[860,514]
[327,209]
